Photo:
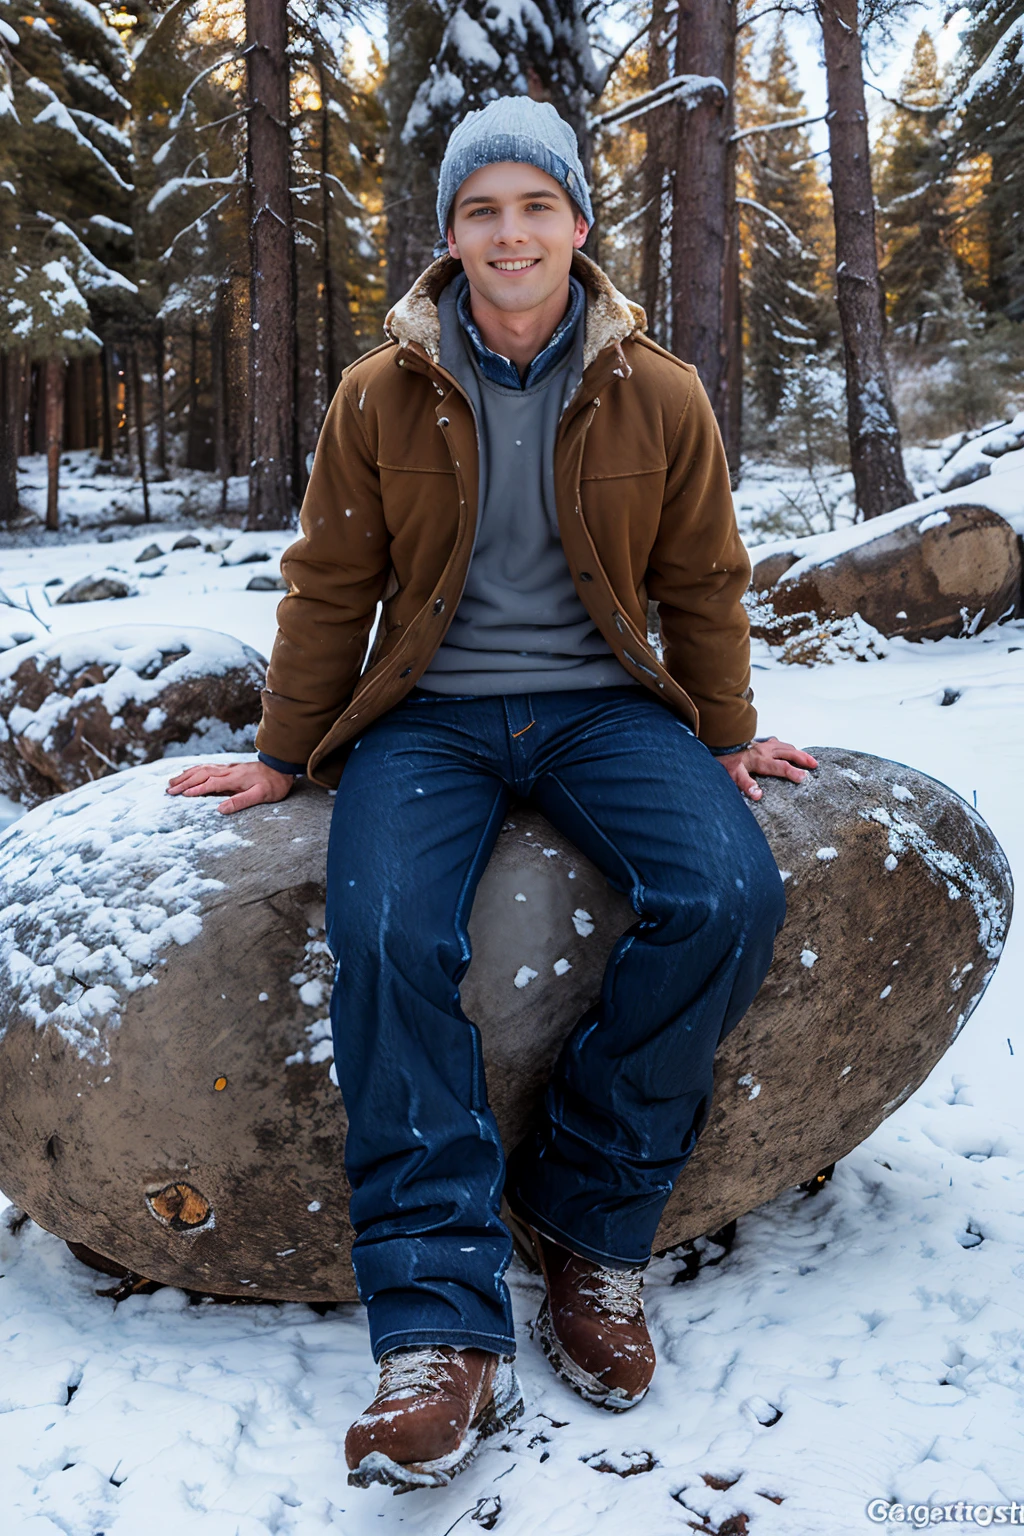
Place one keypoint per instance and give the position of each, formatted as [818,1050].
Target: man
[513,474]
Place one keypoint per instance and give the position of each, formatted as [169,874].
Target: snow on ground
[867,1342]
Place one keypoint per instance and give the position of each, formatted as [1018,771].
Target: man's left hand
[770,756]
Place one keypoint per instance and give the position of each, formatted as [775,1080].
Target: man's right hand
[245,784]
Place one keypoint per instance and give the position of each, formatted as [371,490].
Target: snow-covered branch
[56,115]
[995,63]
[793,122]
[187,184]
[770,213]
[195,222]
[689,90]
[93,275]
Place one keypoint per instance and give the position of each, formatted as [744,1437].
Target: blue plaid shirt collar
[501,370]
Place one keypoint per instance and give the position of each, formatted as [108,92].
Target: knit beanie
[511,128]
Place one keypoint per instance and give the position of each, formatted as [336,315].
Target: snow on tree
[491,48]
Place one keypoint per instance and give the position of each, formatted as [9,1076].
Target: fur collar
[611,317]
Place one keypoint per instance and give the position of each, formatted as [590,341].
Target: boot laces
[617,1290]
[408,1372]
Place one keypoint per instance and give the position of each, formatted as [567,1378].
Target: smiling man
[512,475]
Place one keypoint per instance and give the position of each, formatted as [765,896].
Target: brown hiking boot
[433,1407]
[591,1322]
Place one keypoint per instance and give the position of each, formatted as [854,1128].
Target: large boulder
[79,707]
[166,1094]
[919,574]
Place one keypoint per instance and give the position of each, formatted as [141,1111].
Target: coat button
[406,672]
[585,576]
[439,605]
[442,421]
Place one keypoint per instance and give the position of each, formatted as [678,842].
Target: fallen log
[918,574]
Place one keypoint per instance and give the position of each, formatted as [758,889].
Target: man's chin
[512,298]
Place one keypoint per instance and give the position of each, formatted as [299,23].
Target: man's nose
[510,231]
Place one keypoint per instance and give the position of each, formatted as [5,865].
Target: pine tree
[786,287]
[924,294]
[989,105]
[67,185]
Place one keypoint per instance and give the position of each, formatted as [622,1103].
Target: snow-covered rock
[83,706]
[251,548]
[920,572]
[96,589]
[166,1079]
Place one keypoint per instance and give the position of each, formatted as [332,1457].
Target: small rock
[151,552]
[266,584]
[187,541]
[622,1463]
[96,589]
[54,581]
[215,546]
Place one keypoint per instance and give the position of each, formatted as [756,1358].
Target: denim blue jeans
[420,805]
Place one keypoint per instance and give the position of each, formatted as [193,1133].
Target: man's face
[514,229]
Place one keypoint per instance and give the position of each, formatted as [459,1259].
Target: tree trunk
[331,369]
[219,373]
[876,457]
[655,172]
[161,409]
[74,404]
[10,429]
[732,326]
[193,445]
[107,408]
[139,412]
[54,370]
[703,203]
[410,183]
[271,254]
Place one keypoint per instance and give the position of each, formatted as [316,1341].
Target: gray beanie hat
[511,128]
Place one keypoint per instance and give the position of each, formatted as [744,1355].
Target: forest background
[206,210]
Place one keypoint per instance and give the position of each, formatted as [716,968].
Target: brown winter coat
[644,511]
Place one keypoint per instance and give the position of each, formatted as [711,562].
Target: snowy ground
[868,1342]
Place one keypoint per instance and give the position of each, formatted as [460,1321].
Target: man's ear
[580,232]
[453,249]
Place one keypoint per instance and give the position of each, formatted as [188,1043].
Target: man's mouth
[519,265]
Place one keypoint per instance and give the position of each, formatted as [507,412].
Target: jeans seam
[462,933]
[638,889]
